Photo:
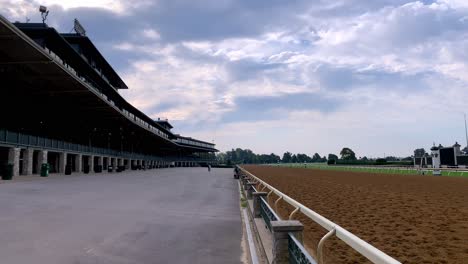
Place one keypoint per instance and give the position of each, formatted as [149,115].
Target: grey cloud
[277,107]
[246,69]
[346,78]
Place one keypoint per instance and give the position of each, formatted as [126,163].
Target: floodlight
[44,13]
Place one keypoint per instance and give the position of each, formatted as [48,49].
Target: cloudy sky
[378,76]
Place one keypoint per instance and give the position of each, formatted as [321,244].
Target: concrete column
[79,162]
[91,163]
[62,162]
[245,182]
[257,201]
[42,159]
[112,163]
[14,158]
[99,161]
[28,162]
[280,230]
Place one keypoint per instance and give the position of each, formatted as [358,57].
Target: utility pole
[466,133]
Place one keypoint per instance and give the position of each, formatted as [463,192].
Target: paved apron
[178,215]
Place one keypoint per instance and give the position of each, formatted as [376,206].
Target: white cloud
[151,34]
[117,6]
[187,89]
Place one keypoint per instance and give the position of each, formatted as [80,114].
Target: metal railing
[365,249]
[12,138]
[267,213]
[297,253]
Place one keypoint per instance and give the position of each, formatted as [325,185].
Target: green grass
[324,166]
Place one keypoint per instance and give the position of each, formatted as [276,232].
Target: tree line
[247,156]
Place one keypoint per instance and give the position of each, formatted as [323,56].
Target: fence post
[257,201]
[246,181]
[280,230]
[249,189]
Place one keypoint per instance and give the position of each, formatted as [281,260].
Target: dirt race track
[413,218]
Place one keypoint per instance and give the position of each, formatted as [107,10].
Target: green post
[45,170]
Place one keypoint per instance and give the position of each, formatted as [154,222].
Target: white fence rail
[361,246]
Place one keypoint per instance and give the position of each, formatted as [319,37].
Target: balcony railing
[12,138]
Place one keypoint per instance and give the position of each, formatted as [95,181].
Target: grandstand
[61,106]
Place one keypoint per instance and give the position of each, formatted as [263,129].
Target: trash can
[109,169]
[45,170]
[8,176]
[86,169]
[68,169]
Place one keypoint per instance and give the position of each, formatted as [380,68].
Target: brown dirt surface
[413,218]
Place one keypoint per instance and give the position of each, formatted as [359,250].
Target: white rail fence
[361,246]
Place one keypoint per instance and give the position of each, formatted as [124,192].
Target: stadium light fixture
[44,13]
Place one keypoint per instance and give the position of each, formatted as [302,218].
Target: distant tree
[332,157]
[303,158]
[407,159]
[274,158]
[391,158]
[316,158]
[294,158]
[347,154]
[380,161]
[465,150]
[364,158]
[221,158]
[420,152]
[287,156]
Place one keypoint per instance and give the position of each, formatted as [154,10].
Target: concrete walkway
[178,215]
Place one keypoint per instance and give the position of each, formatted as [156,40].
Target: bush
[380,161]
[331,162]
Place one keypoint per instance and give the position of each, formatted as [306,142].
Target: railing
[267,213]
[364,248]
[193,143]
[297,253]
[19,139]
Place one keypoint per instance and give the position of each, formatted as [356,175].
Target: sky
[382,77]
